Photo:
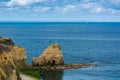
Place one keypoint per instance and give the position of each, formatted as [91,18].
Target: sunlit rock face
[7,67]
[19,56]
[11,57]
[51,56]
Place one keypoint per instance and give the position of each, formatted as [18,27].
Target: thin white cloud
[22,2]
[96,7]
[83,6]
[41,9]
[69,8]
[65,9]
[99,10]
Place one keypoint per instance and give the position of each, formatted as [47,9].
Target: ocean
[81,42]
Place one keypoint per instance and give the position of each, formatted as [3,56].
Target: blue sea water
[85,42]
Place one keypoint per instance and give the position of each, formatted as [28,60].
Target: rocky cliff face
[51,56]
[19,56]
[11,56]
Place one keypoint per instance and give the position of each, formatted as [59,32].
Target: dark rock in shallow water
[67,66]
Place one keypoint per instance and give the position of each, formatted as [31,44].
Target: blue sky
[60,10]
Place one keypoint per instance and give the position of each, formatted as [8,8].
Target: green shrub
[30,71]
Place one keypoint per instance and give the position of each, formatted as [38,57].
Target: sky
[60,10]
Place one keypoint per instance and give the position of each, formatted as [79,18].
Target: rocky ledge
[66,66]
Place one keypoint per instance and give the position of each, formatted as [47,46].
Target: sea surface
[81,42]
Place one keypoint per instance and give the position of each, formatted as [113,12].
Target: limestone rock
[18,53]
[19,56]
[11,57]
[51,56]
[7,66]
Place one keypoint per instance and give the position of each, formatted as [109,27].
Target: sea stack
[50,56]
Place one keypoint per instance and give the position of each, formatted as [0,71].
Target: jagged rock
[68,66]
[7,66]
[6,41]
[18,53]
[11,57]
[65,66]
[19,56]
[51,56]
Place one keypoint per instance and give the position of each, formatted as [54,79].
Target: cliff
[11,57]
[19,56]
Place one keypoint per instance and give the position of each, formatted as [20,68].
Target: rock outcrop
[6,41]
[8,70]
[19,56]
[51,56]
[11,57]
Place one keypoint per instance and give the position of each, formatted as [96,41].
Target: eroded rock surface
[11,56]
[51,56]
[67,66]
[19,56]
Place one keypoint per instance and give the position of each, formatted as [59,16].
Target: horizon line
[65,21]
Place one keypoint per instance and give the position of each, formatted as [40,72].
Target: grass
[30,71]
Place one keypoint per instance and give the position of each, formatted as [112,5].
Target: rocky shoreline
[65,66]
[13,58]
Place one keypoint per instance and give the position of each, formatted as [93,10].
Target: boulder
[50,56]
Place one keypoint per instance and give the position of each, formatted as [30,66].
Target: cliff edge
[11,57]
